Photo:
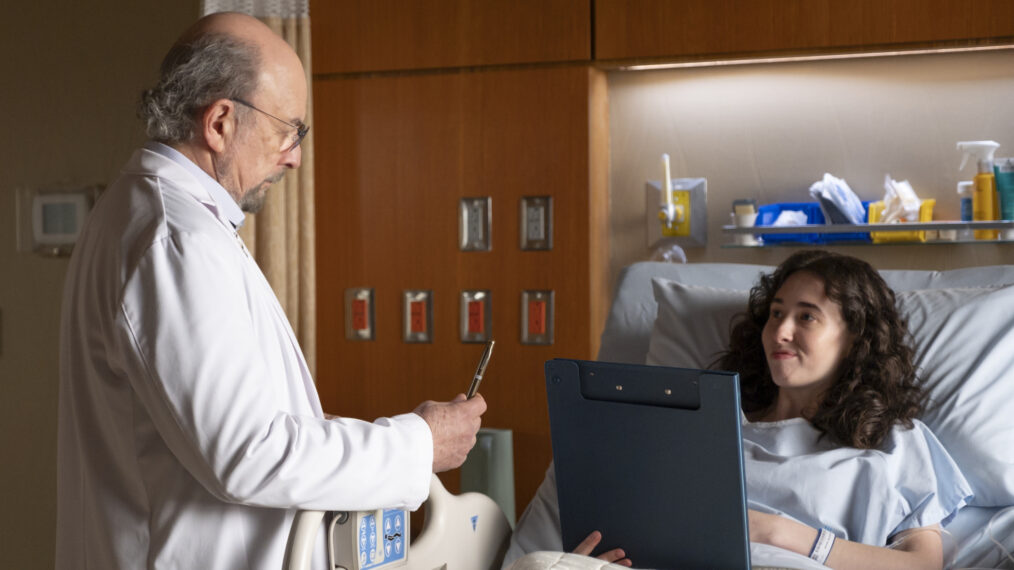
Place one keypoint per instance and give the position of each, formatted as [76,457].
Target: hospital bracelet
[822,546]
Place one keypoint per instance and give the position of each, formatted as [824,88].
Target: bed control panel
[368,540]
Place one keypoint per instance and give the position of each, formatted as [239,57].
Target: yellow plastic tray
[925,215]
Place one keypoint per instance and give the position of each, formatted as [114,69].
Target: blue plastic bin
[768,213]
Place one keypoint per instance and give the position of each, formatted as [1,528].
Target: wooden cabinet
[418,104]
[694,29]
[395,154]
[382,35]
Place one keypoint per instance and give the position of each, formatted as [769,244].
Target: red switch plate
[360,315]
[536,317]
[476,317]
[417,315]
[418,321]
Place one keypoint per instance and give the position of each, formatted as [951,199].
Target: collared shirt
[219,195]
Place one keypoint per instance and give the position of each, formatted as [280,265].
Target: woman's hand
[771,529]
[616,555]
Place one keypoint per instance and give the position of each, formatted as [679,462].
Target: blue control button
[391,536]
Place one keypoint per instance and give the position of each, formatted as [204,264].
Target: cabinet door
[379,35]
[395,154]
[634,29]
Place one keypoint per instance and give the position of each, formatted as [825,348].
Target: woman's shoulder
[915,439]
[916,430]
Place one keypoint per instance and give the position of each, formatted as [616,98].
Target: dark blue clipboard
[652,457]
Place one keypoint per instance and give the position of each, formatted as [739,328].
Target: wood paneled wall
[383,35]
[395,154]
[666,29]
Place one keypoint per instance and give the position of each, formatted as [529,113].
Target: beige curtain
[281,237]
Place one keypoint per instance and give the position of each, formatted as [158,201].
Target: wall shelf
[827,231]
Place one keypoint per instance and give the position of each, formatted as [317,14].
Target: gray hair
[194,74]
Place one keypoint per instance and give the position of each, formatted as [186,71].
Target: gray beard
[253,199]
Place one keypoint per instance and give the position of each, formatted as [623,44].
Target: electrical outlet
[417,316]
[537,222]
[537,317]
[475,224]
[476,316]
[359,314]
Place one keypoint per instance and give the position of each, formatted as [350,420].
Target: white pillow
[964,342]
[693,323]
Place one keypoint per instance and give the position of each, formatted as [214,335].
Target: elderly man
[190,430]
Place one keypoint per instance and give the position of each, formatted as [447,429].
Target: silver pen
[483,362]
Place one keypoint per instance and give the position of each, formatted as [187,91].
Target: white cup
[745,221]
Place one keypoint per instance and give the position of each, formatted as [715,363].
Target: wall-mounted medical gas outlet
[359,314]
[476,316]
[475,221]
[537,317]
[369,540]
[50,220]
[417,316]
[537,222]
[682,218]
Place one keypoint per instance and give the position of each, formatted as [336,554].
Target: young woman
[838,468]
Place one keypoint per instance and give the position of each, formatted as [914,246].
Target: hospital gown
[862,495]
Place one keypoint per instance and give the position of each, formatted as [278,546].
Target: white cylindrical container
[965,191]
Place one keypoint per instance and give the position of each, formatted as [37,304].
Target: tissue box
[925,215]
[768,213]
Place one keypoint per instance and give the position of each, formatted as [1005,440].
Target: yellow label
[681,225]
[985,206]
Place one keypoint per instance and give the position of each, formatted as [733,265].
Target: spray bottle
[1003,168]
[984,201]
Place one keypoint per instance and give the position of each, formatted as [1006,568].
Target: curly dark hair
[876,386]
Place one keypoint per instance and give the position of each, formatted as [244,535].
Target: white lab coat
[190,429]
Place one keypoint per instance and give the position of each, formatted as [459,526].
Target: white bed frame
[449,539]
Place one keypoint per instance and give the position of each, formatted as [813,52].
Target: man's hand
[454,425]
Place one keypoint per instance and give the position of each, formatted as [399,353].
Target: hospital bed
[962,323]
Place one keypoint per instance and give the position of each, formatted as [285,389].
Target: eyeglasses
[301,129]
